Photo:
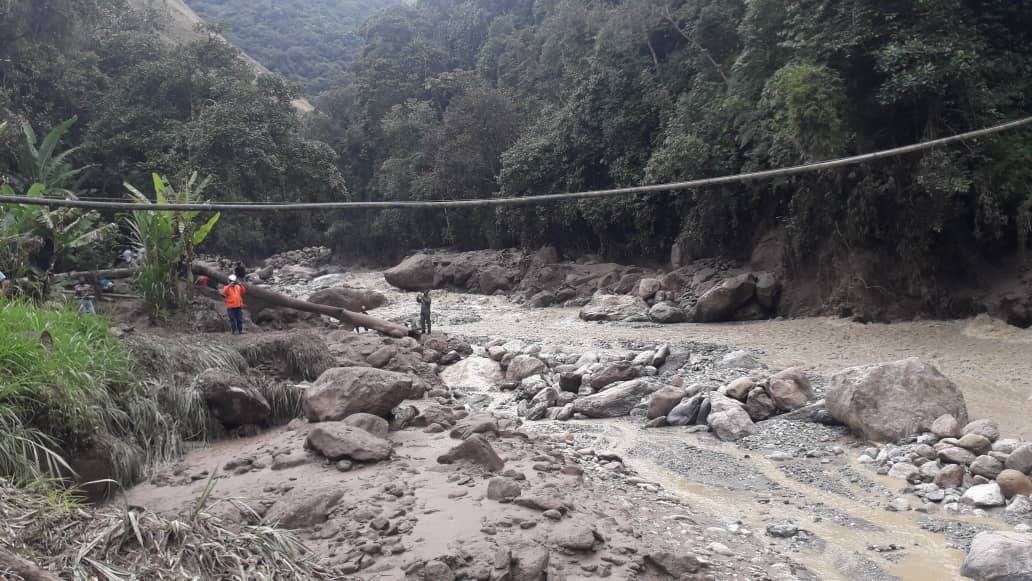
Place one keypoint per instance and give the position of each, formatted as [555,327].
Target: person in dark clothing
[424,312]
[239,271]
[84,295]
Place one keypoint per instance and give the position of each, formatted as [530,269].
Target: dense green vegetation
[307,41]
[463,98]
[144,107]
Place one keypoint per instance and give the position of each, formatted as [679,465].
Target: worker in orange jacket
[234,293]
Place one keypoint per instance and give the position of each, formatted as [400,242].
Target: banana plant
[43,163]
[166,240]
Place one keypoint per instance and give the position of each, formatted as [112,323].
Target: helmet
[232,278]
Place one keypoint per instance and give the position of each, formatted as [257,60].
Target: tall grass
[69,386]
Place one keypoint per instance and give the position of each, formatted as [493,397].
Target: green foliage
[166,240]
[307,41]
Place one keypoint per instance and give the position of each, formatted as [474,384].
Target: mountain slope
[308,41]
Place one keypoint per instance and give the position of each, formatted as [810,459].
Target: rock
[416,272]
[529,563]
[667,313]
[344,466]
[375,425]
[494,278]
[1021,459]
[986,428]
[782,530]
[542,299]
[475,449]
[984,495]
[1007,445]
[702,419]
[303,510]
[976,443]
[1013,483]
[648,287]
[739,389]
[524,366]
[499,488]
[663,401]
[720,303]
[337,441]
[1020,507]
[768,290]
[614,402]
[342,391]
[351,299]
[291,460]
[382,356]
[476,372]
[946,426]
[437,571]
[475,424]
[679,566]
[729,420]
[450,358]
[790,389]
[615,308]
[999,556]
[956,455]
[574,536]
[570,382]
[685,413]
[890,401]
[231,398]
[950,476]
[435,414]
[986,466]
[738,360]
[759,405]
[619,371]
[904,471]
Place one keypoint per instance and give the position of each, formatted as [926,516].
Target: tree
[165,241]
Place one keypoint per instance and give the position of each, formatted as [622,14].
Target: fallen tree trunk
[24,568]
[109,274]
[273,298]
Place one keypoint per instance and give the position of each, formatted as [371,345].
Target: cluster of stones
[960,465]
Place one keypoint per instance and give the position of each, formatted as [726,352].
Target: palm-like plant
[49,233]
[166,239]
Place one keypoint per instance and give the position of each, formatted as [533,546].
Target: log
[279,300]
[109,274]
[24,568]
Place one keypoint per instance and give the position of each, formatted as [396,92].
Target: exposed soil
[674,490]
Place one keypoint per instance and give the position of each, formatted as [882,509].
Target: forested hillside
[461,99]
[452,99]
[145,106]
[307,41]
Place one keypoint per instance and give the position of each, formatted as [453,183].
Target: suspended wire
[511,201]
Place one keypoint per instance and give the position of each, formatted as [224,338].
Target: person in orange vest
[234,293]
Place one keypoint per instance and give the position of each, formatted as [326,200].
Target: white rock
[984,495]
[720,549]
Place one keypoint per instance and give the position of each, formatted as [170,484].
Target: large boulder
[616,372]
[616,401]
[414,273]
[790,389]
[476,450]
[477,372]
[343,391]
[303,508]
[720,303]
[339,441]
[667,313]
[728,418]
[524,366]
[663,401]
[768,290]
[686,412]
[231,398]
[351,299]
[648,287]
[615,308]
[301,355]
[886,402]
[493,279]
[999,556]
